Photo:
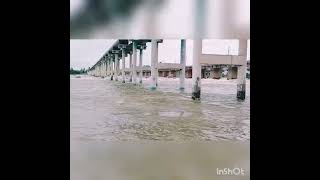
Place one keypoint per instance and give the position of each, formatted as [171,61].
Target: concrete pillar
[111,66]
[199,32]
[241,84]
[100,66]
[112,69]
[107,63]
[116,67]
[123,66]
[134,72]
[183,63]
[140,65]
[103,68]
[154,64]
[100,69]
[130,66]
[196,69]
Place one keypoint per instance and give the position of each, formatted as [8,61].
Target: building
[172,70]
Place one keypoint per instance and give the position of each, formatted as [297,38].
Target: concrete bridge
[108,65]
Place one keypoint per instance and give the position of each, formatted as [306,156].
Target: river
[112,124]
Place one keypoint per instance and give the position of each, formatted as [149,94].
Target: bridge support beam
[100,70]
[154,64]
[130,66]
[123,66]
[196,69]
[241,85]
[140,65]
[134,71]
[100,67]
[103,69]
[108,67]
[183,64]
[116,60]
[112,69]
[242,70]
[118,67]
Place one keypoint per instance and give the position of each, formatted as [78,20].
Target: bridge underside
[204,65]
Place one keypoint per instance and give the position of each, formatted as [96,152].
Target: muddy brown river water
[122,131]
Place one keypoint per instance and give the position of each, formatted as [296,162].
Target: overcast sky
[85,53]
[222,19]
[173,13]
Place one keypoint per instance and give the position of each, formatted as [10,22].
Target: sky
[85,53]
[227,19]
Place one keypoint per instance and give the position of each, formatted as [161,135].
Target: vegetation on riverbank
[81,71]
